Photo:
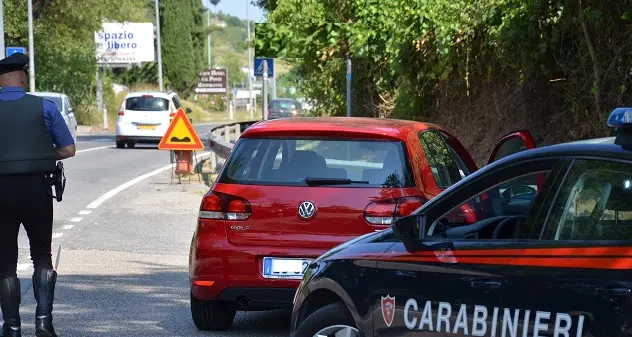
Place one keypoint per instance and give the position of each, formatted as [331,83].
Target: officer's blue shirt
[53,119]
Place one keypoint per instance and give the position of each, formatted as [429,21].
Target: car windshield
[56,100]
[147,103]
[282,105]
[309,162]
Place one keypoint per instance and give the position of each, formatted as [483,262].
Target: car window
[283,105]
[482,216]
[176,102]
[67,105]
[146,103]
[366,163]
[595,203]
[509,147]
[446,166]
[56,100]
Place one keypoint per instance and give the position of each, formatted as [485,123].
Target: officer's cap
[15,62]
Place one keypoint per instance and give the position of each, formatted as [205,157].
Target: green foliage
[63,42]
[180,63]
[412,58]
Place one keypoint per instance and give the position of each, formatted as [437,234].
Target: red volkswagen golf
[292,189]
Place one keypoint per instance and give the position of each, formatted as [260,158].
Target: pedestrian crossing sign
[181,135]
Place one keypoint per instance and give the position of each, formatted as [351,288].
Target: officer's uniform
[29,127]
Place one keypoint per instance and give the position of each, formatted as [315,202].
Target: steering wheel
[503,223]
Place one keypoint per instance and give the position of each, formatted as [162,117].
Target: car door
[575,274]
[511,143]
[445,275]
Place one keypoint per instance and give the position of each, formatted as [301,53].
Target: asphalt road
[124,232]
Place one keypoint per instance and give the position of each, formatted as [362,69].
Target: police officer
[29,126]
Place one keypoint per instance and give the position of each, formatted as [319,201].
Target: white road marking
[68,227]
[130,183]
[23,266]
[76,219]
[85,212]
[93,149]
[57,235]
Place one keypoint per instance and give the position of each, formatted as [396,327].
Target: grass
[240,115]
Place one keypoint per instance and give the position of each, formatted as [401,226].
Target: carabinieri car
[547,251]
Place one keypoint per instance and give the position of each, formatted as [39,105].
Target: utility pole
[2,48]
[348,87]
[249,60]
[31,48]
[208,39]
[273,93]
[159,53]
[264,97]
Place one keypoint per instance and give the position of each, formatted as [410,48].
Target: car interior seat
[305,164]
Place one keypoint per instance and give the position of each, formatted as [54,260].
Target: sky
[238,8]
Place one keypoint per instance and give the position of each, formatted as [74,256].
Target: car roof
[374,128]
[47,93]
[159,94]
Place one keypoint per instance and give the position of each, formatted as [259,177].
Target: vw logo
[306,209]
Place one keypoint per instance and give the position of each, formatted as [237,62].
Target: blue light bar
[620,118]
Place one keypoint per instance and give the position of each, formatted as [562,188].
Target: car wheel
[212,315]
[130,145]
[331,320]
[120,145]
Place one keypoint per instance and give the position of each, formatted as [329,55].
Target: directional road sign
[259,67]
[180,135]
[13,50]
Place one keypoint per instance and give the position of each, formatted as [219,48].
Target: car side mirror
[188,110]
[410,227]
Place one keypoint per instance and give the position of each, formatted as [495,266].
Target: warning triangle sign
[180,135]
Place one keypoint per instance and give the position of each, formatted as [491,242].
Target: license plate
[146,127]
[274,267]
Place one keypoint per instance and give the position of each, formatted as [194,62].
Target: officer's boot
[10,303]
[44,290]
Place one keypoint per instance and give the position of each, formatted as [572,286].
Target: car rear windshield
[56,100]
[300,162]
[147,103]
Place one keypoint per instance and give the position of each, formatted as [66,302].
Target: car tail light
[173,114]
[149,96]
[121,113]
[221,206]
[383,212]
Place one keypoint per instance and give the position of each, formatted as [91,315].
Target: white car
[63,104]
[145,116]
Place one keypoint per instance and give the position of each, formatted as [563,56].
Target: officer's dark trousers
[25,199]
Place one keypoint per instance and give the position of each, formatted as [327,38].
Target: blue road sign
[13,50]
[259,67]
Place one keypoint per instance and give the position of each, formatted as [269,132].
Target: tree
[179,56]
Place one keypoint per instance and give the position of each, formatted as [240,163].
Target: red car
[292,189]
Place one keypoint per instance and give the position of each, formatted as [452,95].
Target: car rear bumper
[258,298]
[139,139]
[220,270]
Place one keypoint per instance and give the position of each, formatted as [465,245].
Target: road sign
[13,50]
[259,67]
[180,135]
[212,81]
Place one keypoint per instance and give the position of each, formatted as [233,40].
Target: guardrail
[221,140]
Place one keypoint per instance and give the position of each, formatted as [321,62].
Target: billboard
[124,43]
[212,81]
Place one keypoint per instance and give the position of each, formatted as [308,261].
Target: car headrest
[307,163]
